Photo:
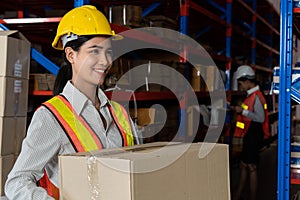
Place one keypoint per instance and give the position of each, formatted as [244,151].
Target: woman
[79,117]
[252,126]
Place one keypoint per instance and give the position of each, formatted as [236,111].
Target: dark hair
[65,72]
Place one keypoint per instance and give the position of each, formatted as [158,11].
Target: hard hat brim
[57,43]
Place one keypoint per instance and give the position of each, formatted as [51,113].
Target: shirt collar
[254,89]
[102,97]
[78,99]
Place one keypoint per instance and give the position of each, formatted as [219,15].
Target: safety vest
[82,137]
[243,122]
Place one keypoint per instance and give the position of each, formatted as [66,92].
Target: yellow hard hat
[83,20]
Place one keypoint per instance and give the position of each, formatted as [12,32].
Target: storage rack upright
[288,89]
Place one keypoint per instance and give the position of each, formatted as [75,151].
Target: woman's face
[91,63]
[244,85]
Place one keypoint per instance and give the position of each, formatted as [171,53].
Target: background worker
[79,117]
[252,126]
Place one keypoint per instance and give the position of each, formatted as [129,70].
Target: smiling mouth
[101,70]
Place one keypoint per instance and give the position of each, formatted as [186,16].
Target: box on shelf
[145,116]
[295,160]
[13,97]
[197,81]
[6,164]
[50,81]
[128,15]
[41,81]
[193,118]
[21,125]
[10,14]
[38,82]
[276,78]
[12,133]
[97,174]
[161,21]
[14,54]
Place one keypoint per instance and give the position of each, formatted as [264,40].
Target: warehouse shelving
[226,36]
[216,15]
[217,12]
[288,90]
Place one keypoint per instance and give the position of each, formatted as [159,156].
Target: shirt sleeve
[38,148]
[258,114]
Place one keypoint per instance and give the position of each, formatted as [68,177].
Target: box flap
[15,34]
[112,151]
[7,33]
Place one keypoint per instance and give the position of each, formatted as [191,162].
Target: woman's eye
[109,53]
[95,51]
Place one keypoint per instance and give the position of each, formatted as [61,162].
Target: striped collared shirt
[45,140]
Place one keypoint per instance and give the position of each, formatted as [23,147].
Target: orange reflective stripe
[78,130]
[93,134]
[66,126]
[121,118]
[52,190]
[129,135]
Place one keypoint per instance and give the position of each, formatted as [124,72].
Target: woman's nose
[104,60]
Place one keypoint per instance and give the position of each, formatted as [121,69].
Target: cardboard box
[50,81]
[12,133]
[21,128]
[38,82]
[145,116]
[14,54]
[193,118]
[6,164]
[130,15]
[13,97]
[146,172]
[41,81]
[197,82]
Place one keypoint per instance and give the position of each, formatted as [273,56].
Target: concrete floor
[267,176]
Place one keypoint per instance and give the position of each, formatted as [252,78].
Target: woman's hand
[237,109]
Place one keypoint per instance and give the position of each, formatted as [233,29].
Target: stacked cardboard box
[14,80]
[41,81]
[126,15]
[207,78]
[160,171]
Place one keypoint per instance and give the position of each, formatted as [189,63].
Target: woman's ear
[69,54]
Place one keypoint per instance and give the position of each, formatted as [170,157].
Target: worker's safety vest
[243,122]
[82,137]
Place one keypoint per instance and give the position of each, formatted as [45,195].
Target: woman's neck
[88,90]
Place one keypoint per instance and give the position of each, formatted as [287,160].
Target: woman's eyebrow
[95,46]
[98,47]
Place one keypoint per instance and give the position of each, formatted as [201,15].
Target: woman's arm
[41,144]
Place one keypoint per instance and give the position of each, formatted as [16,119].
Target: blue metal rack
[286,50]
